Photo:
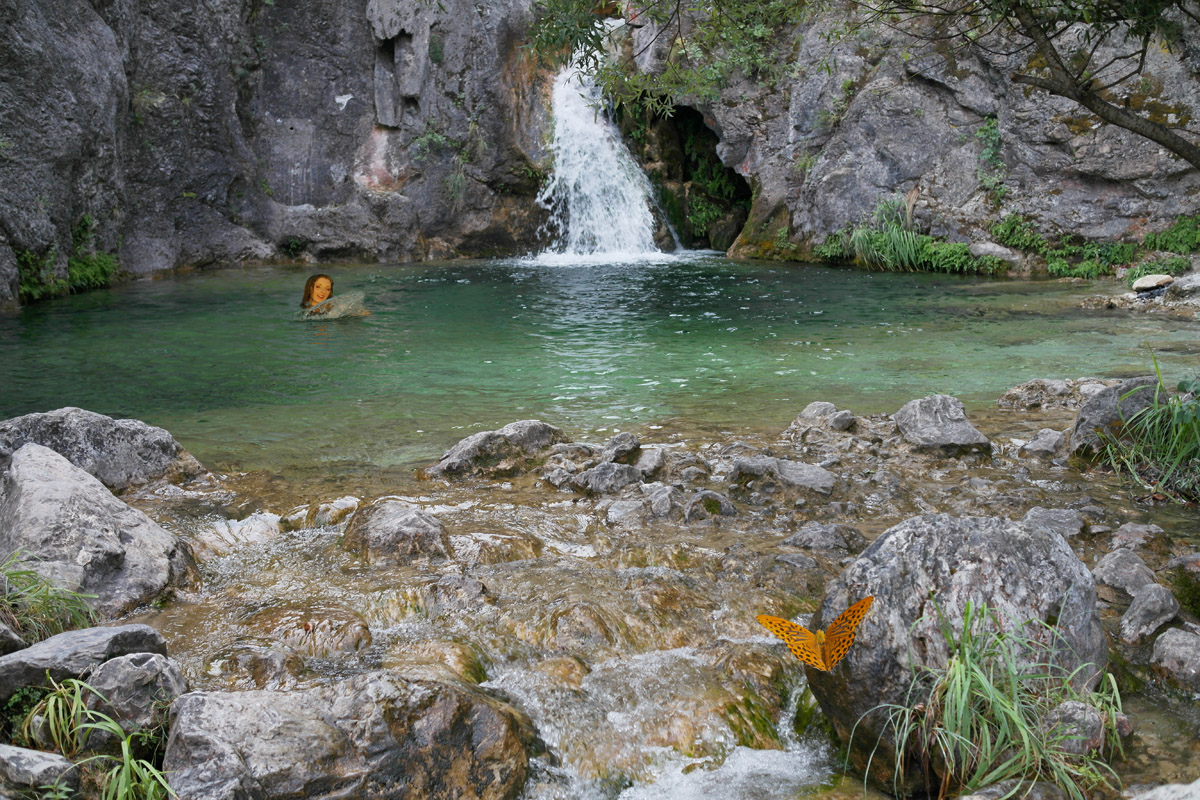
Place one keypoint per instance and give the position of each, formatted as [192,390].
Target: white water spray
[598,198]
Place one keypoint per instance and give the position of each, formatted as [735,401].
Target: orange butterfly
[823,649]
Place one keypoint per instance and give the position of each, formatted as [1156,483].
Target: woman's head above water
[317,289]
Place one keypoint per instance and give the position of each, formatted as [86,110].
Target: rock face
[411,132]
[375,735]
[74,533]
[497,453]
[1019,571]
[120,453]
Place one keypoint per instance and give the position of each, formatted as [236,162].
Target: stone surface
[390,532]
[823,536]
[607,478]
[497,453]
[75,534]
[624,447]
[1064,521]
[1176,659]
[1148,283]
[1079,725]
[319,630]
[705,503]
[1108,407]
[939,422]
[1153,606]
[119,452]
[1172,791]
[74,653]
[373,735]
[1046,443]
[791,474]
[28,770]
[1119,576]
[1022,572]
[9,640]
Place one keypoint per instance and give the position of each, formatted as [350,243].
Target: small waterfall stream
[598,198]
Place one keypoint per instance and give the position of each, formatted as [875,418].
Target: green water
[703,342]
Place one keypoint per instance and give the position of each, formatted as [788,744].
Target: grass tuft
[36,609]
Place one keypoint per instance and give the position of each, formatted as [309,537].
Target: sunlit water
[217,358]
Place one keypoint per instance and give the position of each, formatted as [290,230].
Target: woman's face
[321,290]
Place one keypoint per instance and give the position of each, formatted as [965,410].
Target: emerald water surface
[699,341]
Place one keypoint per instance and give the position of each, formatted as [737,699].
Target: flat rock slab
[71,654]
[939,422]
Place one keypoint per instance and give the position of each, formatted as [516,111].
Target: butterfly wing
[840,635]
[801,641]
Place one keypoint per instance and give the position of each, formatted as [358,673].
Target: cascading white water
[598,198]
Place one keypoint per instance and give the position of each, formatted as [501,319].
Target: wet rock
[75,534]
[705,504]
[607,478]
[1185,579]
[225,536]
[1185,288]
[568,671]
[624,512]
[436,661]
[663,501]
[257,666]
[1171,791]
[651,461]
[622,448]
[1119,575]
[1063,521]
[118,453]
[1079,725]
[1176,659]
[792,474]
[494,548]
[321,631]
[137,690]
[456,593]
[1107,408]
[507,451]
[1027,790]
[798,560]
[373,735]
[28,771]
[818,410]
[841,421]
[939,422]
[1047,443]
[1133,534]
[827,536]
[1052,394]
[391,532]
[1022,572]
[73,654]
[318,515]
[580,626]
[1153,606]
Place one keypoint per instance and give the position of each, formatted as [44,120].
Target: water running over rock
[598,197]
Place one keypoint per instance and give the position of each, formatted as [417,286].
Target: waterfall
[598,198]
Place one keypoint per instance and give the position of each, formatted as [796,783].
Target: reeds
[35,608]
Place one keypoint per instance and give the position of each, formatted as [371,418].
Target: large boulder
[1109,408]
[73,654]
[75,534]
[922,574]
[507,451]
[26,771]
[119,452]
[391,531]
[939,422]
[375,735]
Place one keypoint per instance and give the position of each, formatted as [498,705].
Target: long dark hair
[306,300]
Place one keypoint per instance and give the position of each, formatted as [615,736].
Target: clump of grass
[1159,446]
[36,609]
[1176,265]
[978,720]
[63,721]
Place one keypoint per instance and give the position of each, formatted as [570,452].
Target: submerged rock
[922,574]
[391,531]
[939,422]
[73,532]
[1176,659]
[374,735]
[119,452]
[507,451]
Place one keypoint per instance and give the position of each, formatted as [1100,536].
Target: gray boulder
[663,501]
[624,447]
[9,640]
[1176,659]
[1153,606]
[1079,724]
[607,478]
[706,503]
[119,452]
[73,654]
[1046,443]
[1119,576]
[925,571]
[137,689]
[1107,408]
[791,474]
[75,534]
[374,735]
[939,422]
[650,461]
[508,451]
[1063,521]
[391,532]
[823,536]
[26,771]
